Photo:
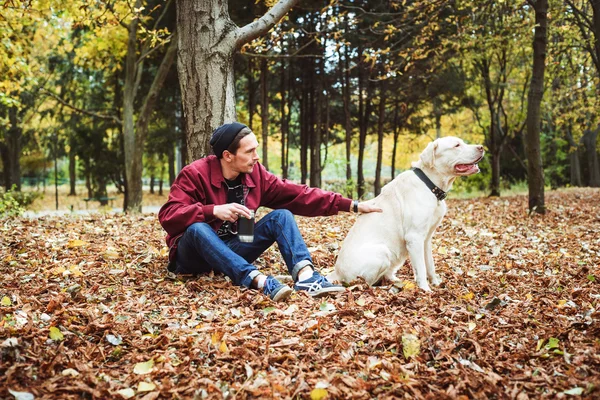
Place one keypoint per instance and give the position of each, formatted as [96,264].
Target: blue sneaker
[318,286]
[276,290]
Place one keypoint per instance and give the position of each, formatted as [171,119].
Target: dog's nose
[480,148]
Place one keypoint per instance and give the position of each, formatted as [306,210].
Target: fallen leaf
[143,368]
[576,391]
[146,387]
[69,372]
[410,345]
[126,393]
[5,301]
[318,394]
[114,340]
[21,395]
[76,243]
[55,334]
[468,296]
[223,347]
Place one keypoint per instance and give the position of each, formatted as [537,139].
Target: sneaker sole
[326,291]
[283,293]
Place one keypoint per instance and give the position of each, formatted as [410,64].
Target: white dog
[378,243]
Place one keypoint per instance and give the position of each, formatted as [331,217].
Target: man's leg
[201,249]
[277,226]
[280,226]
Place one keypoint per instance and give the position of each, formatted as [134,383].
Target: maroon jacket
[200,186]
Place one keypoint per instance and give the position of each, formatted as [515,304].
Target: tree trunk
[12,152]
[396,134]
[304,127]
[135,134]
[72,171]
[285,126]
[495,181]
[437,112]
[171,163]
[345,78]
[364,107]
[535,173]
[317,127]
[207,42]
[381,117]
[596,29]
[574,163]
[251,93]
[264,111]
[589,140]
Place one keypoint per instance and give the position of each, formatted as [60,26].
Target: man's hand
[231,212]
[367,207]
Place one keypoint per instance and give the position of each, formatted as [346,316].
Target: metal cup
[246,228]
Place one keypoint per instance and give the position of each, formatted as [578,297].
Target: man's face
[246,157]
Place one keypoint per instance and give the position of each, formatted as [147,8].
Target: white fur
[379,243]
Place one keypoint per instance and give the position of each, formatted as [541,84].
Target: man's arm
[185,205]
[304,200]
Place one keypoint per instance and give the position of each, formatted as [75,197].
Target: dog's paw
[436,280]
[424,286]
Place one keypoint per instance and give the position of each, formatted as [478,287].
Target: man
[209,195]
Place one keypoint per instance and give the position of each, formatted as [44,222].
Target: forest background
[342,94]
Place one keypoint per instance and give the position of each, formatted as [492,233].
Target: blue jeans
[200,249]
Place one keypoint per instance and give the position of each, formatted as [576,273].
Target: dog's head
[451,156]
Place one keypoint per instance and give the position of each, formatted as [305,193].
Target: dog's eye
[457,145]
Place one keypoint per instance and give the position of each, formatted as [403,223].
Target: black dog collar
[439,193]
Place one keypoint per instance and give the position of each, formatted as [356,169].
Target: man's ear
[428,155]
[227,156]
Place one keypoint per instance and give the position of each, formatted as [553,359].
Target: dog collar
[439,193]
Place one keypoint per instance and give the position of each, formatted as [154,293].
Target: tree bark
[11,151]
[574,162]
[264,111]
[316,130]
[345,78]
[364,112]
[589,140]
[381,117]
[285,122]
[72,171]
[135,135]
[535,170]
[251,93]
[207,42]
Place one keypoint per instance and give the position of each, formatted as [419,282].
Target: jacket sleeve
[185,205]
[300,199]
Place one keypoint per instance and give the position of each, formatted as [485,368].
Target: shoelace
[269,285]
[318,284]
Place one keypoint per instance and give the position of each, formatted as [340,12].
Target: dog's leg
[433,277]
[415,244]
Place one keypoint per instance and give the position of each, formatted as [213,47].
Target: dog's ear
[428,155]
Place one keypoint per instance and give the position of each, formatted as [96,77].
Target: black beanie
[223,136]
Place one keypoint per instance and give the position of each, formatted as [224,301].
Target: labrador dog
[379,243]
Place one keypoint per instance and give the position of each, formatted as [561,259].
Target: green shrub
[9,204]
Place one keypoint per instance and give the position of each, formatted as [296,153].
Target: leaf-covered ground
[88,312]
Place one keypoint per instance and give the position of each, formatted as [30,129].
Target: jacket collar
[216,174]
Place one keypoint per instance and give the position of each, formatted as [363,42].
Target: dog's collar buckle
[437,192]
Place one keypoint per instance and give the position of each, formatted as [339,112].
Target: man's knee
[200,230]
[283,216]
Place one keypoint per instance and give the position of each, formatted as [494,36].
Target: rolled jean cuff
[299,266]
[250,277]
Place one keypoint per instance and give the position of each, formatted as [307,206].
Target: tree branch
[262,25]
[157,84]
[80,110]
[152,50]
